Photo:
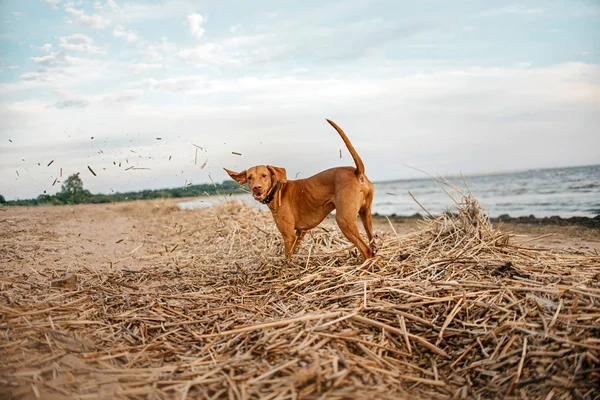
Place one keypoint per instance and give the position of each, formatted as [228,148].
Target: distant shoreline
[589,222]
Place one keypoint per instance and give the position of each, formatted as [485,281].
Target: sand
[41,244]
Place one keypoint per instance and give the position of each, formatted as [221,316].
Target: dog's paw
[376,242]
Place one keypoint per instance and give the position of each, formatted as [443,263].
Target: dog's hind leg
[349,227]
[366,218]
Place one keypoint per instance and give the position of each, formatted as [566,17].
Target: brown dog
[300,205]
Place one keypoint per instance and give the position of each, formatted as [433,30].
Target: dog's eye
[249,178]
[264,175]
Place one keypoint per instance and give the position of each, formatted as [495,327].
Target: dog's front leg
[289,241]
[299,236]
[286,228]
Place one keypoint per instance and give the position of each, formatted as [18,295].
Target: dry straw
[210,309]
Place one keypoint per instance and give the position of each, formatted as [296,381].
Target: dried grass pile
[209,309]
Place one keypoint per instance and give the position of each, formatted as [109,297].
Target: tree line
[73,192]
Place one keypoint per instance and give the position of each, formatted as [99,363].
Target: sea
[564,192]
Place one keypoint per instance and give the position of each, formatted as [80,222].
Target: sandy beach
[106,233]
[60,342]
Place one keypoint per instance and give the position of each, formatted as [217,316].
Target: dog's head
[260,179]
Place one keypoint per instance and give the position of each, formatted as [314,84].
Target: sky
[176,88]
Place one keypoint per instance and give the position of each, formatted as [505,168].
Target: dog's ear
[278,173]
[239,177]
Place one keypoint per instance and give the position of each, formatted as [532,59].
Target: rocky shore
[588,222]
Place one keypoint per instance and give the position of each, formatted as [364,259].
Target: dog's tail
[360,167]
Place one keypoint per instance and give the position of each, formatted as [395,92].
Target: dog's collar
[272,193]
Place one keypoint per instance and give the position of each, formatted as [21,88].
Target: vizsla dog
[300,205]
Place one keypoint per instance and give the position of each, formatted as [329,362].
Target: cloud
[77,42]
[525,64]
[60,70]
[139,68]
[445,89]
[112,5]
[173,85]
[71,103]
[74,61]
[48,60]
[209,52]
[159,51]
[80,43]
[397,117]
[53,3]
[108,5]
[94,21]
[153,10]
[195,22]
[80,38]
[293,41]
[127,35]
[236,50]
[57,58]
[126,96]
[36,76]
